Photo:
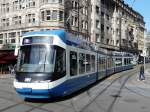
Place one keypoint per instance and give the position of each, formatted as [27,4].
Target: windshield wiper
[45,61]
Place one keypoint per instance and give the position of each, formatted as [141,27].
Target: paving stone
[19,108]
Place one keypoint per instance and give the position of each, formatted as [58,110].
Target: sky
[143,7]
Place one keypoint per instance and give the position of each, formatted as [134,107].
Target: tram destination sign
[37,40]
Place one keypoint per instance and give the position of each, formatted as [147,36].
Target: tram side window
[109,63]
[93,63]
[60,63]
[101,63]
[126,61]
[81,63]
[130,60]
[88,63]
[73,63]
[118,62]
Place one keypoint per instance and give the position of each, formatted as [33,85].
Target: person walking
[141,75]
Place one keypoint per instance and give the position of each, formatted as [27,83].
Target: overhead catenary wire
[133,2]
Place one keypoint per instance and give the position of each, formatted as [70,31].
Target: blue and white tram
[52,64]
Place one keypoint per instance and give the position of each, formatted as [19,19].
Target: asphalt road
[118,93]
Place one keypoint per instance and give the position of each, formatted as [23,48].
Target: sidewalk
[140,87]
[5,76]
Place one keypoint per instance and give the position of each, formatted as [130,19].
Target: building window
[1,38]
[107,28]
[52,15]
[30,3]
[76,21]
[48,15]
[97,37]
[102,28]
[102,14]
[85,10]
[16,20]
[61,15]
[12,37]
[5,8]
[102,39]
[52,1]
[97,24]
[7,22]
[107,17]
[97,9]
[17,5]
[107,41]
[30,18]
[42,15]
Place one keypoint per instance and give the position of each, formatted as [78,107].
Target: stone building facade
[116,24]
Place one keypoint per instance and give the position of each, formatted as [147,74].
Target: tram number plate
[27,79]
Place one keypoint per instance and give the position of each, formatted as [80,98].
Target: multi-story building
[128,27]
[116,24]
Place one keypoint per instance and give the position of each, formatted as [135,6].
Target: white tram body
[54,63]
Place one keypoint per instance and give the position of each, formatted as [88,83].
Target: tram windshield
[41,58]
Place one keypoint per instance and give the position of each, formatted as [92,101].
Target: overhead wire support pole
[78,17]
[144,50]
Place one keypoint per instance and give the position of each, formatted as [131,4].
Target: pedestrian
[141,74]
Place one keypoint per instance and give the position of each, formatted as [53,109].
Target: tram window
[130,60]
[93,63]
[101,63]
[126,61]
[88,63]
[73,63]
[108,63]
[118,62]
[60,63]
[81,63]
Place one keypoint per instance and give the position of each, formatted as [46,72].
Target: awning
[3,62]
[7,57]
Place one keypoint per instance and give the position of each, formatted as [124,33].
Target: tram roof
[60,33]
[66,37]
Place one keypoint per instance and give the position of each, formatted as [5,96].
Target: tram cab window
[88,63]
[73,63]
[81,63]
[93,63]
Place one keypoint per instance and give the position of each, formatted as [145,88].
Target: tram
[55,63]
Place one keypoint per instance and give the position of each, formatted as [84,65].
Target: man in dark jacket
[141,75]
